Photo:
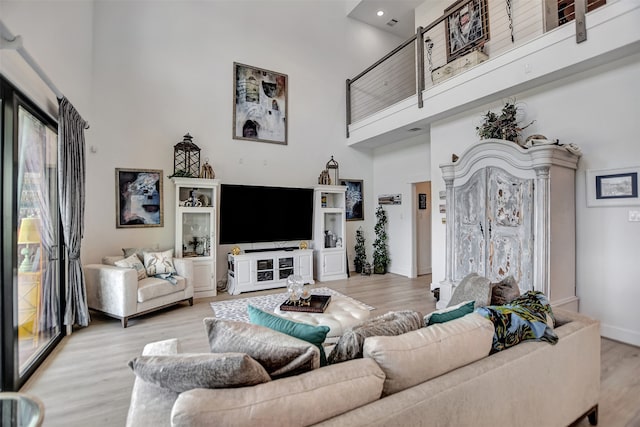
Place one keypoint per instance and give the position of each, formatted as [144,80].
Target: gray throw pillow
[182,372]
[350,344]
[472,288]
[504,291]
[280,354]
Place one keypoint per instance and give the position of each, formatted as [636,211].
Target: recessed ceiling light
[380,13]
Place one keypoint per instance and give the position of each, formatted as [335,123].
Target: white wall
[58,35]
[165,68]
[597,110]
[396,168]
[145,73]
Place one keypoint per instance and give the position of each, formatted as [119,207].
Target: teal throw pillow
[312,334]
[450,313]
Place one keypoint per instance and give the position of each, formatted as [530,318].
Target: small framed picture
[443,209]
[613,187]
[442,194]
[422,201]
[354,199]
[139,198]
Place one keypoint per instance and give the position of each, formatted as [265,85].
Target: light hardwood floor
[86,381]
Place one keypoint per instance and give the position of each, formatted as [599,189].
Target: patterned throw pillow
[350,344]
[159,262]
[139,252]
[133,262]
[528,317]
[182,372]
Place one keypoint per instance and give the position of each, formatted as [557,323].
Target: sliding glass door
[31,306]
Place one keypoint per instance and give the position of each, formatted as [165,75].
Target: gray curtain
[71,182]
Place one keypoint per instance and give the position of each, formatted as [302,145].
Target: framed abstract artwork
[466,27]
[139,198]
[613,187]
[260,104]
[354,199]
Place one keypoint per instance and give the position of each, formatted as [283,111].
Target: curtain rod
[9,41]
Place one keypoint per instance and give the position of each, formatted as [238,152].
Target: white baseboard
[620,334]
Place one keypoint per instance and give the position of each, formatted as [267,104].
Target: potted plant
[380,254]
[361,252]
[503,126]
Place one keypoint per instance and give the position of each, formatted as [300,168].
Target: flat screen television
[254,214]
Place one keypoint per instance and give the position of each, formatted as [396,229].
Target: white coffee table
[341,313]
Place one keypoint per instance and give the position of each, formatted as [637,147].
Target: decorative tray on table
[316,304]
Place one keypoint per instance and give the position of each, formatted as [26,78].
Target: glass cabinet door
[196,234]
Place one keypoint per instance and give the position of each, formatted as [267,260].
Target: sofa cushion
[133,262]
[420,355]
[528,317]
[111,259]
[182,372]
[472,288]
[449,313]
[159,262]
[139,252]
[280,354]
[312,334]
[154,287]
[305,399]
[504,291]
[350,344]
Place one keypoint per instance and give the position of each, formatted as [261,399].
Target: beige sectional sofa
[436,376]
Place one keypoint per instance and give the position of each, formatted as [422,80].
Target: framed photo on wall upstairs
[466,27]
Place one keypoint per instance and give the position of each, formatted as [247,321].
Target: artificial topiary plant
[380,253]
[503,126]
[361,252]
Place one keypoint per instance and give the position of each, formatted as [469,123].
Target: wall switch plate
[634,216]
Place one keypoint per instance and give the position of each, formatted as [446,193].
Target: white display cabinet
[329,225]
[267,270]
[196,201]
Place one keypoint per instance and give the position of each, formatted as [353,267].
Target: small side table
[20,410]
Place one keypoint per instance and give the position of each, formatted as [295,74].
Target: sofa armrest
[113,290]
[184,268]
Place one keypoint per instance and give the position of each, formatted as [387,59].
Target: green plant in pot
[380,252]
[361,253]
[503,126]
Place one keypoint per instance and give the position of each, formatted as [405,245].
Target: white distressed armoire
[511,211]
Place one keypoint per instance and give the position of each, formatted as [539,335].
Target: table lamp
[29,233]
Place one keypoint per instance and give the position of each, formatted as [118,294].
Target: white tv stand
[256,271]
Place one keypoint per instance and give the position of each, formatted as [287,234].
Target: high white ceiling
[400,10]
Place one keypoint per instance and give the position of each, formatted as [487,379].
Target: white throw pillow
[133,262]
[159,262]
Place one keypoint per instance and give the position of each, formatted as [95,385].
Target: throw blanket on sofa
[528,317]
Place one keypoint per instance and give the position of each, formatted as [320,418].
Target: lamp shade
[29,231]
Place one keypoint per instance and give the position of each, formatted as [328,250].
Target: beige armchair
[117,292]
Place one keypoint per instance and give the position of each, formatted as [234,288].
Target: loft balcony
[421,82]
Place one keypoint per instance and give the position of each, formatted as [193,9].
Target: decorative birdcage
[332,169]
[186,158]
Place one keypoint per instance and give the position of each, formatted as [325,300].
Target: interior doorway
[422,227]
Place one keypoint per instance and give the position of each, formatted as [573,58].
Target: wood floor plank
[86,381]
